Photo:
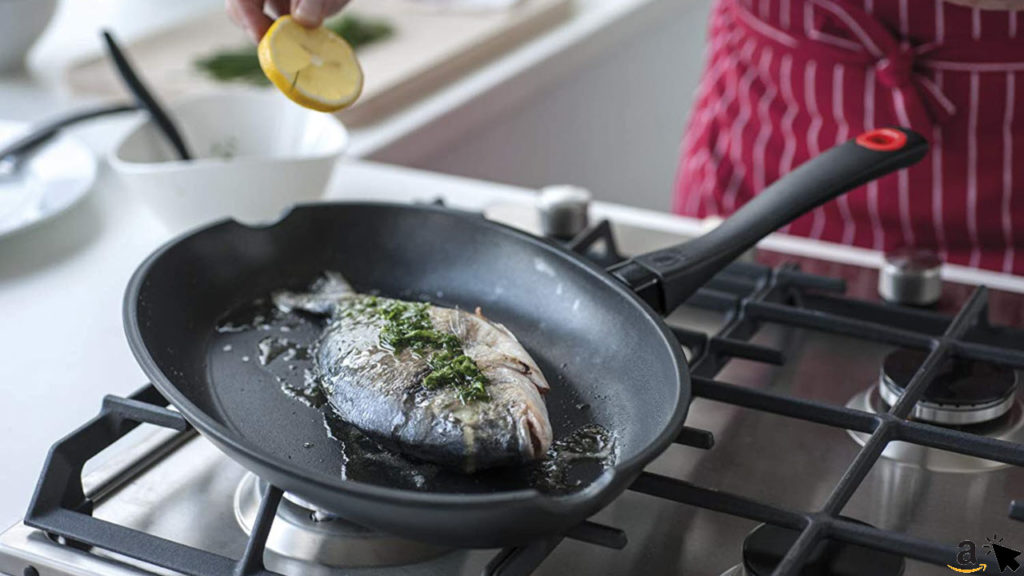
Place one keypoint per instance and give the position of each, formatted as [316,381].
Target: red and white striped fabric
[786,79]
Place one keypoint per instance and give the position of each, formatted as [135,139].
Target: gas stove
[831,433]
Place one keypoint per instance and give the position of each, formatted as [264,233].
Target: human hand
[252,14]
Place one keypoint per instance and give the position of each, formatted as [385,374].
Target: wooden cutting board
[428,49]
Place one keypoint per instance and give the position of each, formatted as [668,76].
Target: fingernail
[304,12]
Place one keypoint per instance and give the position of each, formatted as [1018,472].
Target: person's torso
[786,79]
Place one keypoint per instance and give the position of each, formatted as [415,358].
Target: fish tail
[323,298]
[334,284]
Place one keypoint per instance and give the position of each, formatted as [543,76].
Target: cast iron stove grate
[749,294]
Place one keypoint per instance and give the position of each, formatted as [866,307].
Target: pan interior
[606,359]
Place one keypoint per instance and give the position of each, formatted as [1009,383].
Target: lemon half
[314,67]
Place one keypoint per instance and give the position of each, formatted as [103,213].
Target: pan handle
[666,278]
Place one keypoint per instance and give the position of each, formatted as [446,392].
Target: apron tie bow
[896,69]
[838,32]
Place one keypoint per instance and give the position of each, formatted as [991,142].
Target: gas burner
[1009,427]
[303,533]
[765,546]
[967,395]
[964,392]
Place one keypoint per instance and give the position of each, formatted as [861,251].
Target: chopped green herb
[407,325]
[243,65]
[459,371]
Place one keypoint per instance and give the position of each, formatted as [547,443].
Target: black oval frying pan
[598,337]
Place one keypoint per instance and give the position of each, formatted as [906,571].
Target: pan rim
[220,434]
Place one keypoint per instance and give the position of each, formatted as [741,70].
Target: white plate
[53,180]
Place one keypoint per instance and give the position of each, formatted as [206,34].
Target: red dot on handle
[882,139]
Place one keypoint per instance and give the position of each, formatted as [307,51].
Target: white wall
[614,124]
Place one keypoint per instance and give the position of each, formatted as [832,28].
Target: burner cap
[765,546]
[301,535]
[963,392]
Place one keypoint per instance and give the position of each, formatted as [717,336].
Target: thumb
[312,13]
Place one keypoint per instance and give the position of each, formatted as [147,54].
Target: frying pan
[599,338]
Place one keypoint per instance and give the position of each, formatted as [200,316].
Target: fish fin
[480,314]
[332,283]
[457,324]
[322,298]
[502,327]
[530,370]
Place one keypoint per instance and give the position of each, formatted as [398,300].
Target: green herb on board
[243,65]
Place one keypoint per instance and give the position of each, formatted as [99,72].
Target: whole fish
[404,396]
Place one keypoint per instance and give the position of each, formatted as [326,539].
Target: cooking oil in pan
[570,465]
[366,460]
[281,353]
[253,315]
[575,460]
[308,392]
[273,347]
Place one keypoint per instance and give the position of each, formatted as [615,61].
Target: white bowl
[21,23]
[256,154]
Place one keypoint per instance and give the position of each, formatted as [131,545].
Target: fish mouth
[535,435]
[539,445]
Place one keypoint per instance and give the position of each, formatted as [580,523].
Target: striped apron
[786,79]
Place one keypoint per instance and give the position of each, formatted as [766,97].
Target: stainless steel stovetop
[178,486]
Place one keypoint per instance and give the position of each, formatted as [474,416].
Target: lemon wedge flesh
[314,67]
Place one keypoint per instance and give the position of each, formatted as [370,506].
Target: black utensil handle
[146,98]
[666,278]
[44,132]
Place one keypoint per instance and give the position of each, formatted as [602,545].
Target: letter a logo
[968,555]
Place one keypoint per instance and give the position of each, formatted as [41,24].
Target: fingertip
[309,13]
[259,30]
[279,8]
[249,15]
[312,13]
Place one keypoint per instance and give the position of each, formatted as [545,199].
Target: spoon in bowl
[145,97]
